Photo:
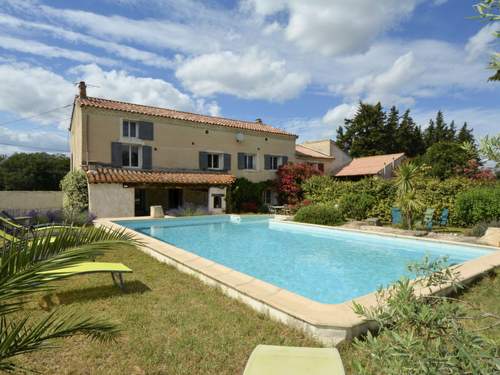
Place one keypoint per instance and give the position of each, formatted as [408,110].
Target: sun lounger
[116,269]
[283,360]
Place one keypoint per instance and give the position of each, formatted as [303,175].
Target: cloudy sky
[299,65]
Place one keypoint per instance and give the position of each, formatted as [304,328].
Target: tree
[390,132]
[490,147]
[37,171]
[465,135]
[445,159]
[406,197]
[439,131]
[490,10]
[23,264]
[409,137]
[365,134]
[290,178]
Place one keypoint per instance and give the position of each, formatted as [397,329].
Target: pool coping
[329,323]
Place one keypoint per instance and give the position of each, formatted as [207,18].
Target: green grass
[173,324]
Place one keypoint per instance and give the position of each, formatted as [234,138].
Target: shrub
[479,229]
[476,205]
[325,189]
[74,187]
[319,214]
[445,159]
[290,179]
[245,194]
[356,205]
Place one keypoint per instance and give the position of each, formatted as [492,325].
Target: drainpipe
[87,139]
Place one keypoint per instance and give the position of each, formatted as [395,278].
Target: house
[324,155]
[378,165]
[136,156]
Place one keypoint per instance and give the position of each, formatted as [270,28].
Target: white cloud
[481,42]
[41,49]
[336,116]
[336,27]
[252,75]
[120,50]
[120,85]
[14,140]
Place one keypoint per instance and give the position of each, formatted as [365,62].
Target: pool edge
[328,323]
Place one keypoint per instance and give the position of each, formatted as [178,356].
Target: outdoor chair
[428,216]
[396,216]
[116,269]
[443,219]
[285,360]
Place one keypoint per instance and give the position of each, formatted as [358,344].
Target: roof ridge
[312,149]
[177,110]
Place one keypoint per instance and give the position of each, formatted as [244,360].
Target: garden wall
[21,202]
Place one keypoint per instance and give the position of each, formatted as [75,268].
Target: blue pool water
[325,265]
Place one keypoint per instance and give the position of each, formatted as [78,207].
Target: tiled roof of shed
[109,175]
[178,115]
[368,165]
[301,150]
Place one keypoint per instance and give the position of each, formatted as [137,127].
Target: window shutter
[227,162]
[116,154]
[241,160]
[147,157]
[285,159]
[203,157]
[145,130]
[267,162]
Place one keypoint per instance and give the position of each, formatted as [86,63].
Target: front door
[140,202]
[174,198]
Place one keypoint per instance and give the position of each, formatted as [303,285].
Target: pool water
[322,264]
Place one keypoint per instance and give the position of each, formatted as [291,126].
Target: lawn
[173,324]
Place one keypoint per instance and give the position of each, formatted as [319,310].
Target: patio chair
[116,269]
[428,216]
[285,360]
[443,219]
[396,216]
[6,217]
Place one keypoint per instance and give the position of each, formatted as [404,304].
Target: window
[249,161]
[214,161]
[217,201]
[131,156]
[275,162]
[268,197]
[129,129]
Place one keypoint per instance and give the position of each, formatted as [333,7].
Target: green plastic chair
[396,216]
[116,269]
[286,360]
[443,219]
[428,216]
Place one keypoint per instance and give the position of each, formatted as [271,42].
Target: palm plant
[406,197]
[22,264]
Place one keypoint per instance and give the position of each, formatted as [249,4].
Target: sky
[299,65]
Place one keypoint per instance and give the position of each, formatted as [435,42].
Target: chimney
[83,89]
[258,120]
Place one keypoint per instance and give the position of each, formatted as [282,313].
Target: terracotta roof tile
[368,165]
[108,175]
[178,115]
[302,150]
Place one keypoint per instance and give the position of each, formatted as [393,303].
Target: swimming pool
[326,265]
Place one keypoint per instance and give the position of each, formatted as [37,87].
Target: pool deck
[329,323]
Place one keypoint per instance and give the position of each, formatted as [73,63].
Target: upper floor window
[275,162]
[131,156]
[130,129]
[249,161]
[214,161]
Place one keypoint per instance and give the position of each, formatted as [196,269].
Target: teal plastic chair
[443,219]
[286,360]
[396,216]
[428,216]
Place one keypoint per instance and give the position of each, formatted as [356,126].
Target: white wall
[215,191]
[24,201]
[111,200]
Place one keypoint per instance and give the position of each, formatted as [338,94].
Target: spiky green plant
[406,197]
[21,265]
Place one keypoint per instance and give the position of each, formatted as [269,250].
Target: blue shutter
[203,158]
[267,162]
[146,130]
[284,158]
[116,154]
[241,160]
[227,162]
[147,157]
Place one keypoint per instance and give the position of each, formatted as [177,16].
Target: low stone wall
[111,200]
[21,202]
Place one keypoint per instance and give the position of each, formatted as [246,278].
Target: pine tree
[409,137]
[391,143]
[430,134]
[465,135]
[441,132]
[452,132]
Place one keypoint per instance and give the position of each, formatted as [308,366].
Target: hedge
[478,205]
[322,214]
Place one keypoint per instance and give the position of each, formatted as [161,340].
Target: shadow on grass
[89,294]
